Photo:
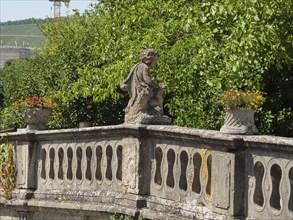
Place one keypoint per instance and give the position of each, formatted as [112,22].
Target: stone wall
[9,53]
[157,172]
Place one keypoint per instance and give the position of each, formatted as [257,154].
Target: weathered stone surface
[48,213]
[36,118]
[10,53]
[239,121]
[146,101]
[25,154]
[156,171]
[221,193]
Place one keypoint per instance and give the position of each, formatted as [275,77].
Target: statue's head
[150,57]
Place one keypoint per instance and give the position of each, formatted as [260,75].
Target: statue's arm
[147,78]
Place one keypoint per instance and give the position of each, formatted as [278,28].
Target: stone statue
[146,102]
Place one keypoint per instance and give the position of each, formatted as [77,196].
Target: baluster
[99,154]
[109,155]
[183,163]
[43,163]
[158,174]
[197,161]
[69,159]
[89,154]
[171,161]
[209,177]
[276,175]
[119,162]
[79,163]
[290,203]
[60,160]
[258,174]
[51,169]
[48,162]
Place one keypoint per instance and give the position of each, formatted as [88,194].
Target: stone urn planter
[84,124]
[239,121]
[36,118]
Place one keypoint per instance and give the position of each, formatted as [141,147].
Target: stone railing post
[144,161]
[228,176]
[25,149]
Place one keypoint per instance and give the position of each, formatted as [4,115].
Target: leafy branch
[7,170]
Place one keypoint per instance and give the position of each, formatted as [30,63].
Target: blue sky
[23,9]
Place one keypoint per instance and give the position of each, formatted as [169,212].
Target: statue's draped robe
[139,86]
[146,101]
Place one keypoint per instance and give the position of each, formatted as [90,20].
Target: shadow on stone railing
[158,172]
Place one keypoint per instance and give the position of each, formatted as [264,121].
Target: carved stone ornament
[36,118]
[146,101]
[239,121]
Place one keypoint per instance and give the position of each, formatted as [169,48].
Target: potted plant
[36,111]
[240,107]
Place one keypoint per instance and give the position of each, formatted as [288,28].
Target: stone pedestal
[143,118]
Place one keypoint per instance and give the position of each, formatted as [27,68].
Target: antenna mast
[57,7]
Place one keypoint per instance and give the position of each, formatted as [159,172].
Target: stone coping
[170,132]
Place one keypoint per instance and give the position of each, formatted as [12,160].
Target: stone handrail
[158,172]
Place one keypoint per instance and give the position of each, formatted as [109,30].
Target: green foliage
[7,170]
[69,114]
[10,118]
[1,92]
[277,115]
[20,80]
[206,47]
[124,217]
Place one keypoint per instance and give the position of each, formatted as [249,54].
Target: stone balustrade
[269,173]
[157,172]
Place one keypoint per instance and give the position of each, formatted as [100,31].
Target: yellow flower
[238,98]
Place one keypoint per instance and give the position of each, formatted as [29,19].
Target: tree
[19,81]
